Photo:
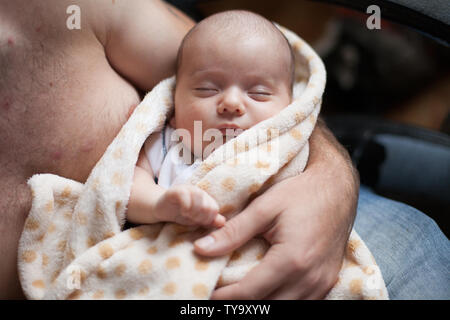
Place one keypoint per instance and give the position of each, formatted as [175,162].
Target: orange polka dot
[254,188]
[262,165]
[228,184]
[99,294]
[232,162]
[170,288]
[120,270]
[297,45]
[350,264]
[311,85]
[172,263]
[55,275]
[152,250]
[316,100]
[353,245]
[44,260]
[31,224]
[204,185]
[71,255]
[291,155]
[90,242]
[239,147]
[145,266]
[206,167]
[49,206]
[101,273]
[144,291]
[83,276]
[355,286]
[201,265]
[61,245]
[41,237]
[200,290]
[117,154]
[95,183]
[369,270]
[118,205]
[136,234]
[68,215]
[266,147]
[175,242]
[117,179]
[66,192]
[105,251]
[272,133]
[81,218]
[260,256]
[38,284]
[140,127]
[75,295]
[299,116]
[98,210]
[108,235]
[296,134]
[120,294]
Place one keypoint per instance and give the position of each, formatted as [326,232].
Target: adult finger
[260,282]
[237,231]
[309,285]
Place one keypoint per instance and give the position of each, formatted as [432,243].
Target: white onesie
[162,150]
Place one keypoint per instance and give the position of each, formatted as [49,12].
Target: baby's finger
[219,221]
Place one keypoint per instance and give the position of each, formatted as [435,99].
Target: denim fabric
[410,249]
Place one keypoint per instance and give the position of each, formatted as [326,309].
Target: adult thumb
[235,233]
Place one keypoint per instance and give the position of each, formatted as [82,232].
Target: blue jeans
[410,249]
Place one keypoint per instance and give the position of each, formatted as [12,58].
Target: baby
[235,69]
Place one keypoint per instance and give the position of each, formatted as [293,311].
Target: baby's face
[230,83]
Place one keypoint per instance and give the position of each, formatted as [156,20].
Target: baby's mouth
[231,132]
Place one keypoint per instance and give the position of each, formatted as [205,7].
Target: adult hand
[307,220]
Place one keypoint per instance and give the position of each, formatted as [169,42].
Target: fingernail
[205,243]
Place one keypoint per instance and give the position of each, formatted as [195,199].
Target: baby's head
[234,70]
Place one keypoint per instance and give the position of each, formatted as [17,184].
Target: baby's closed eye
[205,91]
[259,94]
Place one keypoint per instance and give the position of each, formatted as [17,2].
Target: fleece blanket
[74,246]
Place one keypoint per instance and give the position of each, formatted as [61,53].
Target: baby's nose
[231,103]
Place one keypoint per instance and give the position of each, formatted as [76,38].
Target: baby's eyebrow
[203,72]
[257,79]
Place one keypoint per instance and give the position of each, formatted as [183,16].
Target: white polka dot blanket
[73,245]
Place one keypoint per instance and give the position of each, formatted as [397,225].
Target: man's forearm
[330,163]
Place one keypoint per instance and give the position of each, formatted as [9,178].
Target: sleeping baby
[235,69]
[235,76]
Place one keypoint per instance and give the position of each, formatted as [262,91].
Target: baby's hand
[189,205]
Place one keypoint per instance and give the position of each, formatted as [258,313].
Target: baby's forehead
[236,29]
[229,30]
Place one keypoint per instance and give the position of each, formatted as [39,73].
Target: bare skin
[64,94]
[54,81]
